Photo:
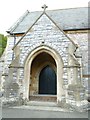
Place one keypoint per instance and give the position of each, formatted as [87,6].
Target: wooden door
[47,81]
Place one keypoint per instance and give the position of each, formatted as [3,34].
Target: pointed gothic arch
[59,68]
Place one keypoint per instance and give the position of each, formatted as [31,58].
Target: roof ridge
[51,13]
[13,27]
[66,8]
[58,9]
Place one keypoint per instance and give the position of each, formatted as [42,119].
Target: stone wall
[82,39]
[44,32]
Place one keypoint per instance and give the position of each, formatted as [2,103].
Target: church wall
[9,54]
[82,39]
[30,44]
[7,59]
[44,32]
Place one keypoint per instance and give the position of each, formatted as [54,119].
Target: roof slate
[67,19]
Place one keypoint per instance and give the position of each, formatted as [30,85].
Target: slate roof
[67,19]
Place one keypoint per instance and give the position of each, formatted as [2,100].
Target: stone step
[41,108]
[48,98]
[40,103]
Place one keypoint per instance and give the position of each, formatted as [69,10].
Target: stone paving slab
[28,113]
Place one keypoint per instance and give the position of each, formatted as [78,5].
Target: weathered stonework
[23,64]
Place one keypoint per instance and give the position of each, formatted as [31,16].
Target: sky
[11,10]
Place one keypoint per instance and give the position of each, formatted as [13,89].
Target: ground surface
[28,113]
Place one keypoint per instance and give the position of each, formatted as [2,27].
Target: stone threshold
[45,98]
[42,103]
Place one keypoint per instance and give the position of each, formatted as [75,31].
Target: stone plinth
[76,96]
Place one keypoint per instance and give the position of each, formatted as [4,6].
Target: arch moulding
[59,67]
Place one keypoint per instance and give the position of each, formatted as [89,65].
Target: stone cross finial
[44,7]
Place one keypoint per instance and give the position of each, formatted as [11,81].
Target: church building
[46,58]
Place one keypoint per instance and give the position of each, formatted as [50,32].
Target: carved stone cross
[44,7]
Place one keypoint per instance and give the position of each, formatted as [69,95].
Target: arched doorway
[43,75]
[32,71]
[47,81]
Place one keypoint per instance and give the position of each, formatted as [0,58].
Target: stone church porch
[46,65]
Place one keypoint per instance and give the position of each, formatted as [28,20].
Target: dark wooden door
[47,81]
